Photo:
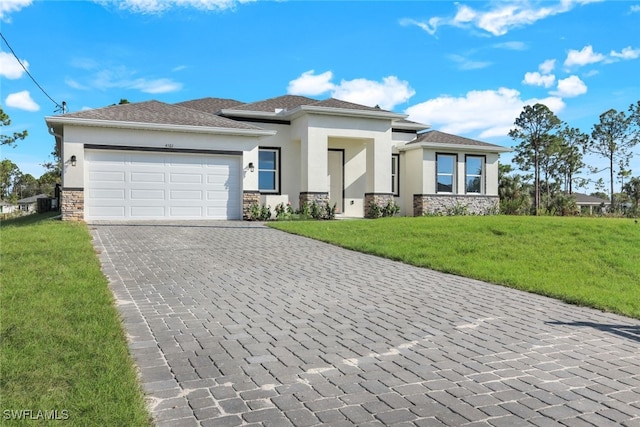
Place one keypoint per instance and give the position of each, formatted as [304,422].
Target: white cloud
[583,57]
[627,53]
[511,45]
[10,68]
[386,94]
[74,84]
[10,6]
[570,87]
[121,77]
[22,101]
[544,77]
[468,64]
[486,113]
[537,79]
[155,86]
[500,18]
[635,8]
[430,26]
[547,66]
[311,84]
[160,6]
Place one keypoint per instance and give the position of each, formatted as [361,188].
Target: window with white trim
[445,173]
[269,170]
[474,179]
[395,174]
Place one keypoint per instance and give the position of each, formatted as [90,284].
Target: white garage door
[149,185]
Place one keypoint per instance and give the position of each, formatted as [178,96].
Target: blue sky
[463,67]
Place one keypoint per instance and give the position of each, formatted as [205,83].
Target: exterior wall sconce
[73,160]
[251,167]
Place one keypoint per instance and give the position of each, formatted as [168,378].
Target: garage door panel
[149,185]
[107,176]
[105,212]
[217,196]
[186,211]
[147,177]
[147,212]
[147,195]
[185,178]
[185,195]
[107,193]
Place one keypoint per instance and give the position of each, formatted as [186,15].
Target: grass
[593,262]
[62,345]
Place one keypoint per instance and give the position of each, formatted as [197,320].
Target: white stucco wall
[492,161]
[76,136]
[289,164]
[418,173]
[377,134]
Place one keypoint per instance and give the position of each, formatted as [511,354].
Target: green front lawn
[63,352]
[588,261]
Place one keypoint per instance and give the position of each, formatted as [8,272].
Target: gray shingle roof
[287,102]
[438,137]
[337,103]
[585,199]
[156,112]
[210,105]
[31,199]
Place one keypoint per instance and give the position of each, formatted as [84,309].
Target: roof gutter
[457,147]
[332,111]
[158,127]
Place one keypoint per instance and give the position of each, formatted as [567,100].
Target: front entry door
[336,178]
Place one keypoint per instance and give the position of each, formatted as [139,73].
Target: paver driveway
[233,323]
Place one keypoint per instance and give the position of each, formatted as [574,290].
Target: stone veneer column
[320,198]
[72,204]
[419,205]
[249,198]
[380,199]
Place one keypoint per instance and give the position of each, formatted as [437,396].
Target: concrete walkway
[233,323]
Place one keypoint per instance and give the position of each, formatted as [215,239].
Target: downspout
[51,132]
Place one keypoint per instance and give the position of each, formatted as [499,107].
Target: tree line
[551,153]
[15,185]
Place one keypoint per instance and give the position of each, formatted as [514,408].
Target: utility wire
[29,74]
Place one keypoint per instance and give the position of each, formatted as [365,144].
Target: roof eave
[411,126]
[252,114]
[332,111]
[53,120]
[457,147]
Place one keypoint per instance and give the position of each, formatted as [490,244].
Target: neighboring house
[6,207]
[213,158]
[585,203]
[30,204]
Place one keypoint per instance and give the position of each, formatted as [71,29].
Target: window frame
[395,178]
[483,173]
[453,173]
[277,170]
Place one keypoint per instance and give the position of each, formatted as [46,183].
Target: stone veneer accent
[72,204]
[380,199]
[432,204]
[249,198]
[320,198]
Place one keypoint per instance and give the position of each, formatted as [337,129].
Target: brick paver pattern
[234,323]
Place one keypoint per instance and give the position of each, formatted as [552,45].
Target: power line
[61,107]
